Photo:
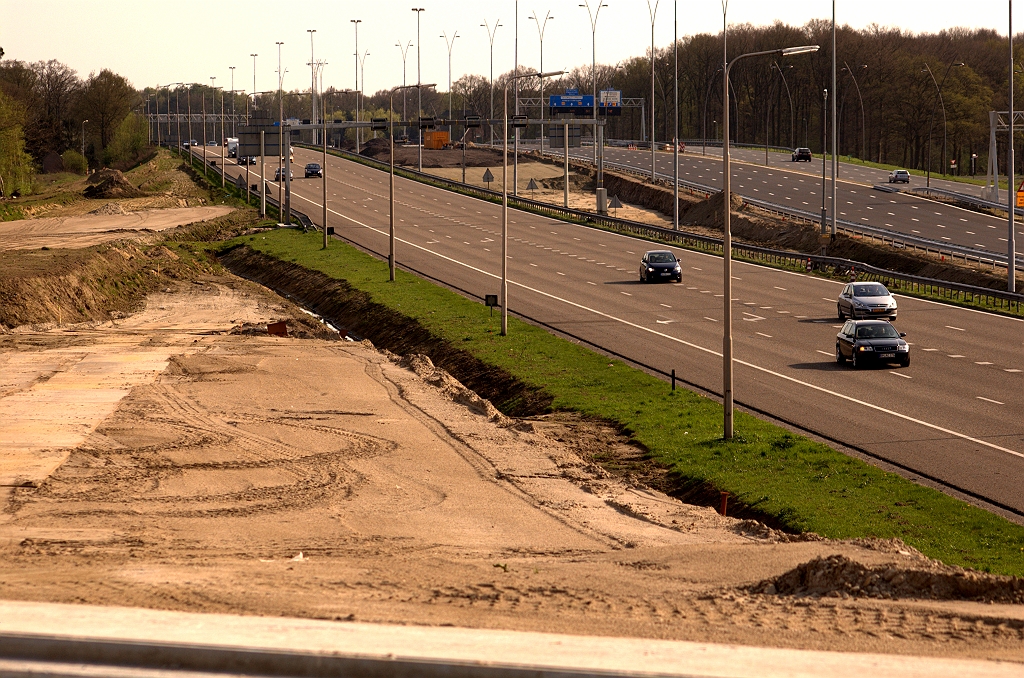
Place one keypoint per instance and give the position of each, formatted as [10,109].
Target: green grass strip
[805,485]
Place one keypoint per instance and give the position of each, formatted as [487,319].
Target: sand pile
[838,576]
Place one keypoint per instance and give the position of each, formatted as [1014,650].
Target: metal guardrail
[963,197]
[857,270]
[885,236]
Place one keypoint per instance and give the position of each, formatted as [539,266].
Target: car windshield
[313,167]
[661,258]
[902,172]
[870,291]
[880,331]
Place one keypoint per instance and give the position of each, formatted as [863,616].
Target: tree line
[42,109]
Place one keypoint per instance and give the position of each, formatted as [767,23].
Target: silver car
[899,177]
[865,300]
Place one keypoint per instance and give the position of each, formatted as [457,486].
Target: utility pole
[280,134]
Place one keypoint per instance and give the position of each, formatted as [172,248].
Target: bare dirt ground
[182,459]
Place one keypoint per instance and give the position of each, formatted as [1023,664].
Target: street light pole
[233,133]
[541,28]
[83,146]
[490,35]
[419,93]
[356,22]
[405,51]
[391,180]
[594,14]
[824,165]
[727,361]
[931,120]
[704,124]
[504,194]
[1011,248]
[253,89]
[863,145]
[653,12]
[450,44]
[312,86]
[280,133]
[792,137]
[359,94]
[675,115]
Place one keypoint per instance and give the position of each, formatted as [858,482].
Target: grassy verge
[800,484]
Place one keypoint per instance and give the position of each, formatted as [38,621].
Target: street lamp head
[803,49]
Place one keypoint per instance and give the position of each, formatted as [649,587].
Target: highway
[798,186]
[953,416]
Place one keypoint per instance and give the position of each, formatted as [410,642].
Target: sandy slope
[92,229]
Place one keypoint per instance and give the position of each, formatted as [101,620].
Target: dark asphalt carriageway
[953,416]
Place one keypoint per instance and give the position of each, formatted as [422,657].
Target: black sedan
[314,170]
[660,265]
[871,341]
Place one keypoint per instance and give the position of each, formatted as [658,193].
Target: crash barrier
[884,236]
[952,291]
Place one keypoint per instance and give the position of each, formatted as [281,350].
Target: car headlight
[865,348]
[650,270]
[676,269]
[904,347]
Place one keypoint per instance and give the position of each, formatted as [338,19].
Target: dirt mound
[837,576]
[110,208]
[379,149]
[111,184]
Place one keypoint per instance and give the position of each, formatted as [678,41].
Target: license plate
[887,355]
[666,273]
[878,310]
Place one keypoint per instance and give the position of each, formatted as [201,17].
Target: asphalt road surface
[799,186]
[953,416]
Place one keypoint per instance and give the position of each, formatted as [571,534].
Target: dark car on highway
[314,170]
[871,341]
[660,265]
[865,300]
[279,173]
[802,154]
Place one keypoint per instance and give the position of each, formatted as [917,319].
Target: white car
[899,177]
[866,300]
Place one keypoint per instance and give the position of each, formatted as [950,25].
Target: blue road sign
[572,92]
[571,101]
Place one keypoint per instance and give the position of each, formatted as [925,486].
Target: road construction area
[182,458]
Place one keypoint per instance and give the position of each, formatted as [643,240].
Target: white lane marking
[984,363]
[626,293]
[960,329]
[559,273]
[955,356]
[765,370]
[764,335]
[590,283]
[900,374]
[825,353]
[989,400]
[935,349]
[827,299]
[664,322]
[753,318]
[1012,371]
[665,305]
[784,289]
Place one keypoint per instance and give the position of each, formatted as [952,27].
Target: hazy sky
[153,42]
